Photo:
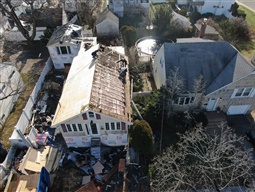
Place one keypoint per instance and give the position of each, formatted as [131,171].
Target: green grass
[13,118]
[249,16]
[249,53]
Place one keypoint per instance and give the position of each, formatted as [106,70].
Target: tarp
[44,181]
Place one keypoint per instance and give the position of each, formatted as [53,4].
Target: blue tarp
[44,181]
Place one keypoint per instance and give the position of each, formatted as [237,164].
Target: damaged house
[65,43]
[94,107]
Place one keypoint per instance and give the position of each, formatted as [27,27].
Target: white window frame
[185,100]
[72,129]
[112,128]
[68,50]
[87,128]
[242,92]
[108,126]
[90,115]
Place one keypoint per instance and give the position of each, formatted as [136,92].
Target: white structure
[217,7]
[11,85]
[117,7]
[65,43]
[95,103]
[107,24]
[228,76]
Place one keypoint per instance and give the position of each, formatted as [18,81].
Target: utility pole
[162,123]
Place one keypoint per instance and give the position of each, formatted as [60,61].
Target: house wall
[59,60]
[15,83]
[217,7]
[226,97]
[116,6]
[107,28]
[82,138]
[15,35]
[158,68]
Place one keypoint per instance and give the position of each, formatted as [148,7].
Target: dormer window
[64,50]
[91,115]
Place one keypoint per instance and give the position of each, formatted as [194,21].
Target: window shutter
[98,116]
[123,125]
[63,127]
[84,116]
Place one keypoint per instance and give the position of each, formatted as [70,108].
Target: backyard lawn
[249,53]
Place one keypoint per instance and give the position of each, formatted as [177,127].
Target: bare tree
[203,160]
[174,86]
[199,90]
[86,10]
[8,9]
[11,83]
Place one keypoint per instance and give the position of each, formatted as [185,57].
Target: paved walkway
[250,4]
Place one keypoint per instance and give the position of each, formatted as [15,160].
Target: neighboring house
[217,7]
[95,102]
[11,85]
[65,43]
[107,24]
[181,20]
[229,77]
[117,7]
[129,7]
[207,32]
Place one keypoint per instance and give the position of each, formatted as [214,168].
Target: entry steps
[95,149]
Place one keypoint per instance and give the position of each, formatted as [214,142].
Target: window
[69,127]
[184,100]
[98,116]
[64,50]
[87,129]
[3,88]
[123,125]
[91,115]
[74,127]
[80,127]
[107,127]
[63,127]
[11,75]
[84,116]
[242,92]
[118,125]
[112,126]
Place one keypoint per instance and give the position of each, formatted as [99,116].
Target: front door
[94,129]
[211,104]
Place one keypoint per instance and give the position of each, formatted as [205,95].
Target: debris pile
[92,173]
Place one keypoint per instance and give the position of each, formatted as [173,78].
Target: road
[247,3]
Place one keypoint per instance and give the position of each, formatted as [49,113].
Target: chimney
[203,27]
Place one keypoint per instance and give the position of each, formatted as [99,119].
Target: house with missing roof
[107,24]
[228,76]
[65,43]
[95,101]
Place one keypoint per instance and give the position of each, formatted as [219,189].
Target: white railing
[26,115]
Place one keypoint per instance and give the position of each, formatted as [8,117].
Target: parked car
[251,137]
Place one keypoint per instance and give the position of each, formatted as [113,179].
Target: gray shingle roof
[218,62]
[107,14]
[63,33]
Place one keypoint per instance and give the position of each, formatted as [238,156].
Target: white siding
[159,68]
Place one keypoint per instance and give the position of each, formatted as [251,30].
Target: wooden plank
[31,166]
[121,167]
[22,186]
